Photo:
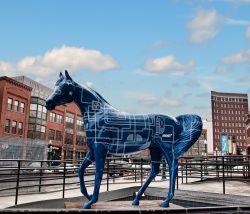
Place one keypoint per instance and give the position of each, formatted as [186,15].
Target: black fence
[24,177]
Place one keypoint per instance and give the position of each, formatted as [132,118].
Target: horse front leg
[100,156]
[86,162]
[173,170]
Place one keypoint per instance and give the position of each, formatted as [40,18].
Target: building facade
[14,108]
[229,112]
[208,126]
[248,134]
[23,113]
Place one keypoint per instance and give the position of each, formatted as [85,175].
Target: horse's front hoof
[86,206]
[165,203]
[135,202]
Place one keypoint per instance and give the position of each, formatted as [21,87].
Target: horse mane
[93,92]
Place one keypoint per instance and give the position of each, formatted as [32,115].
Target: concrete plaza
[232,188]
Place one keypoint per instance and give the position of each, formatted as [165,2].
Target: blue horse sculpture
[109,131]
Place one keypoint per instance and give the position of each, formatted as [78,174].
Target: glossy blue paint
[110,131]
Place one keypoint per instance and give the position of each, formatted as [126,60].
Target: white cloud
[170,102]
[155,101]
[248,32]
[159,44]
[238,58]
[204,26]
[168,64]
[237,22]
[89,84]
[225,1]
[59,59]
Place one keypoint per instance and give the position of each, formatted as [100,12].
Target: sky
[142,56]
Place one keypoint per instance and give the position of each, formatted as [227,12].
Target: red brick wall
[71,108]
[12,89]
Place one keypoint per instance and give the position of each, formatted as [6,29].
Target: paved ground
[232,188]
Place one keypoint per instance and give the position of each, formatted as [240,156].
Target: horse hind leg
[155,169]
[173,170]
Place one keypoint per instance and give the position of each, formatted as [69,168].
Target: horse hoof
[86,206]
[135,203]
[165,204]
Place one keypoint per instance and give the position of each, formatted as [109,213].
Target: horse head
[63,92]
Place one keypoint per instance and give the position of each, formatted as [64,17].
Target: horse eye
[58,91]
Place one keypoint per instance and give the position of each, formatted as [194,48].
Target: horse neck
[85,100]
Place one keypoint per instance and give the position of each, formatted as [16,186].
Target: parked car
[69,167]
[8,168]
[118,167]
[238,168]
[35,168]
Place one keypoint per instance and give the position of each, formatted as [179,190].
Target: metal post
[17,180]
[108,175]
[217,167]
[223,174]
[141,172]
[186,173]
[201,171]
[64,179]
[135,171]
[163,176]
[181,172]
[177,177]
[40,176]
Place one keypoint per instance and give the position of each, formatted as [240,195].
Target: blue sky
[142,56]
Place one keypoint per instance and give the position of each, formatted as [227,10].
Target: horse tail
[191,131]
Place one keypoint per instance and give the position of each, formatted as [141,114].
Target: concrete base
[122,205]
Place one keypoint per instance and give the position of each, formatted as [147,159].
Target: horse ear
[67,75]
[60,75]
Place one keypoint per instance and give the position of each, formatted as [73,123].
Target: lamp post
[49,152]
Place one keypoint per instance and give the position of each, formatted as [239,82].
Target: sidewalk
[232,188]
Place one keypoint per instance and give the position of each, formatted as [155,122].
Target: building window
[51,134]
[20,128]
[59,118]
[44,113]
[52,117]
[58,136]
[16,104]
[36,131]
[39,111]
[22,107]
[79,124]
[9,104]
[80,140]
[14,124]
[69,120]
[33,110]
[68,138]
[7,126]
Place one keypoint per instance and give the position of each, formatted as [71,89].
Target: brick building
[229,112]
[22,110]
[14,108]
[248,134]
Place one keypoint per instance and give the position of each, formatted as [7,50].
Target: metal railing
[24,177]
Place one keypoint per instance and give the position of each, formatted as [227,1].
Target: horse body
[111,131]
